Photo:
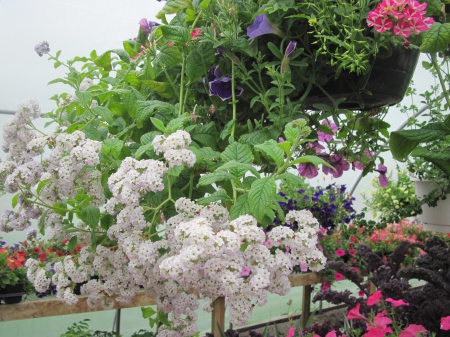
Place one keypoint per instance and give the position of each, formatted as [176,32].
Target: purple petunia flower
[260,26]
[339,163]
[308,170]
[147,25]
[325,137]
[213,74]
[383,179]
[222,87]
[290,49]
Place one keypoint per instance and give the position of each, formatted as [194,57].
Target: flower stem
[441,79]
[183,65]
[233,102]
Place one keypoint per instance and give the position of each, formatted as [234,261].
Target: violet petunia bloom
[213,74]
[316,146]
[382,178]
[147,25]
[339,163]
[308,170]
[325,137]
[290,49]
[222,87]
[261,25]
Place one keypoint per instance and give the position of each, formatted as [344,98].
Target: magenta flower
[383,179]
[291,332]
[340,252]
[261,25]
[412,330]
[445,323]
[222,87]
[245,272]
[396,303]
[308,170]
[339,163]
[374,298]
[325,137]
[147,25]
[355,314]
[338,277]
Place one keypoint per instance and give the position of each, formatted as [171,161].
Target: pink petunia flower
[291,332]
[412,330]
[396,303]
[355,314]
[445,323]
[374,298]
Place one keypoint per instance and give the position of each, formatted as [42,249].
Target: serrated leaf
[106,221]
[205,134]
[123,55]
[436,39]
[104,61]
[90,216]
[271,149]
[240,153]
[236,166]
[176,124]
[241,207]
[146,109]
[173,7]
[254,138]
[72,243]
[142,149]
[91,132]
[42,184]
[211,178]
[175,34]
[199,60]
[158,124]
[291,133]
[84,97]
[147,312]
[148,137]
[113,146]
[105,113]
[60,208]
[168,57]
[220,195]
[261,195]
[440,159]
[289,177]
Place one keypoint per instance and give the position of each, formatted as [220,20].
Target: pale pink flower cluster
[174,148]
[402,16]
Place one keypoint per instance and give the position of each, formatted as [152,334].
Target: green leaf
[236,166]
[261,195]
[220,195]
[164,89]
[148,137]
[42,184]
[292,178]
[84,97]
[311,159]
[42,223]
[168,57]
[254,138]
[436,39]
[271,149]
[173,7]
[204,4]
[147,109]
[241,207]
[176,124]
[275,51]
[106,221]
[72,243]
[291,133]
[147,312]
[90,216]
[175,34]
[91,132]
[212,178]
[240,153]
[147,73]
[199,60]
[123,55]
[130,47]
[401,143]
[104,61]
[113,146]
[440,159]
[105,113]
[60,208]
[205,134]
[158,124]
[15,200]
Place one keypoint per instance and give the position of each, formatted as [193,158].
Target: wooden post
[306,305]
[218,316]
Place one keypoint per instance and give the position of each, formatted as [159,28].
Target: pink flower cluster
[402,16]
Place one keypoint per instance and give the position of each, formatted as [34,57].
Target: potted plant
[166,158]
[13,274]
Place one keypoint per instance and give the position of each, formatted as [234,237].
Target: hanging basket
[12,294]
[433,218]
[388,82]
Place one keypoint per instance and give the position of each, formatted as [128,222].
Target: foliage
[395,202]
[12,269]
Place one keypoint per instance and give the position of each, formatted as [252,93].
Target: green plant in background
[81,329]
[395,202]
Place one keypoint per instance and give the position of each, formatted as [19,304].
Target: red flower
[396,303]
[43,256]
[340,252]
[36,250]
[196,33]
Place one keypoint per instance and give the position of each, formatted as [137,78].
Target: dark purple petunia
[222,87]
[339,163]
[260,26]
[308,170]
[382,178]
[290,49]
[147,25]
[213,74]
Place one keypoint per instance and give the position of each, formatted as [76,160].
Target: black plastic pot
[12,294]
[388,82]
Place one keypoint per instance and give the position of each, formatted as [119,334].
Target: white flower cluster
[174,148]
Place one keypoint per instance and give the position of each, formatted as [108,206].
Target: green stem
[180,109]
[233,102]
[441,78]
[191,184]
[234,191]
